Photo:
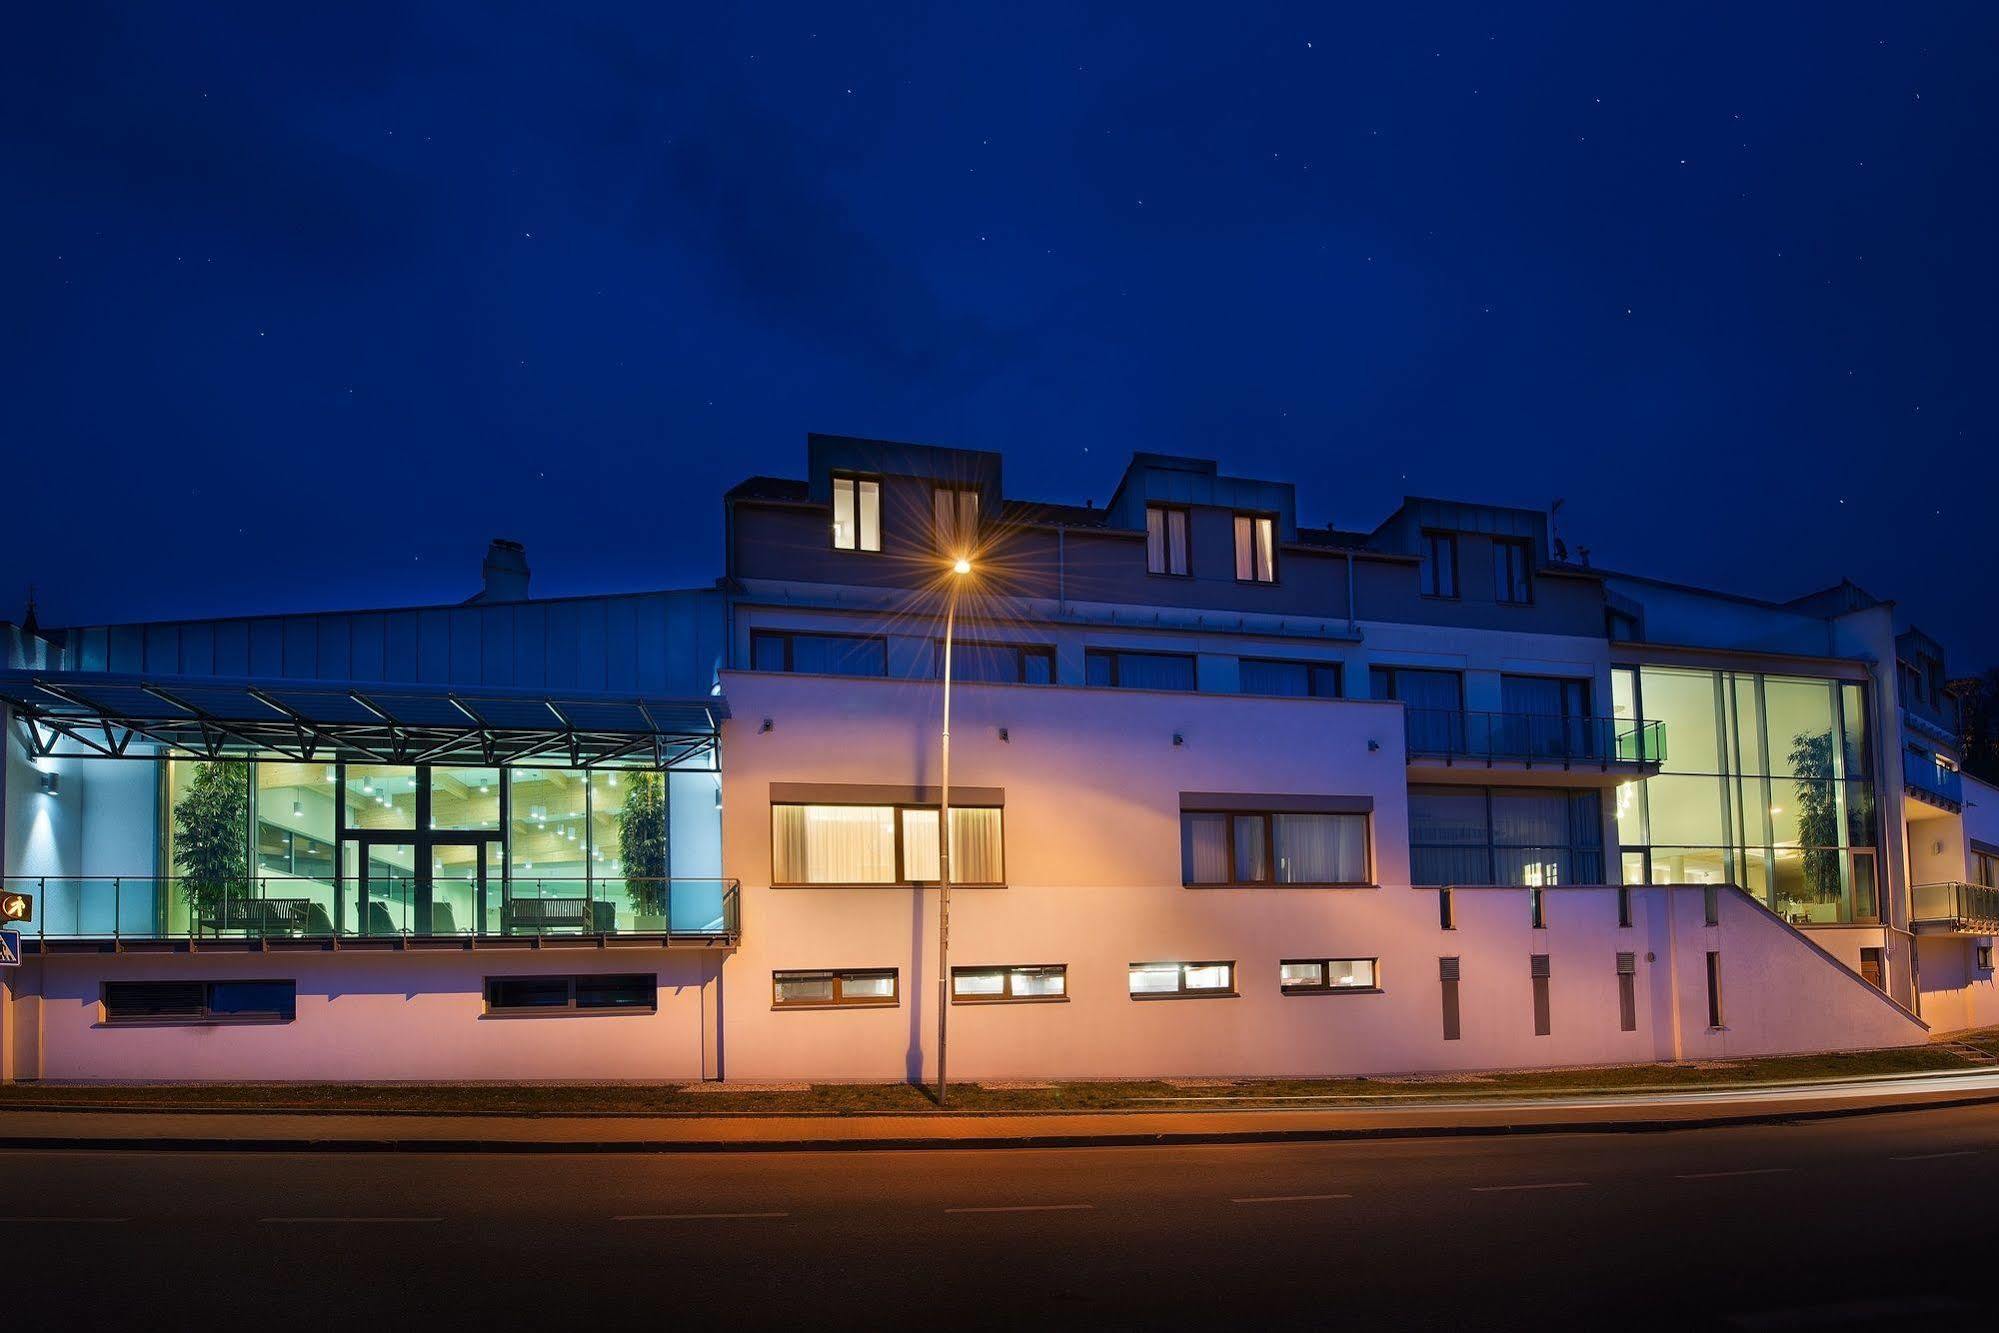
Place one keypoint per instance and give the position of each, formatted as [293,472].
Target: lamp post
[960,568]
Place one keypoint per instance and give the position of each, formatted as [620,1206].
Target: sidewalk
[415,1132]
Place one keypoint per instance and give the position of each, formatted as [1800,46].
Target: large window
[1438,573]
[819,654]
[1504,835]
[1512,570]
[956,510]
[1166,540]
[1255,548]
[998,663]
[857,514]
[851,988]
[1268,675]
[1764,784]
[1158,981]
[1237,847]
[1434,704]
[996,985]
[882,844]
[1138,671]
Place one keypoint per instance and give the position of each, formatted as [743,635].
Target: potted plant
[211,841]
[642,849]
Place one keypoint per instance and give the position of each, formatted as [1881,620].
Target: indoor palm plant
[642,847]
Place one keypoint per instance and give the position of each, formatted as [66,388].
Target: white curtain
[975,846]
[832,844]
[1204,849]
[1321,849]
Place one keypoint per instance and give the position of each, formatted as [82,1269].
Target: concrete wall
[364,1016]
[1093,782]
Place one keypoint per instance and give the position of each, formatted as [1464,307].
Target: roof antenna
[29,626]
[1555,530]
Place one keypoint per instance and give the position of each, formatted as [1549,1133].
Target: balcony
[1609,744]
[1931,782]
[1954,909]
[147,912]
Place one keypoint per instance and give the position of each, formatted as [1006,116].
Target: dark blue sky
[301,310]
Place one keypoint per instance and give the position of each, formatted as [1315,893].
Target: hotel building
[1228,794]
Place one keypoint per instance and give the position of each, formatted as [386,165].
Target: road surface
[1881,1221]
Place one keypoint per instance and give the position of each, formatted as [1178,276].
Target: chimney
[505,572]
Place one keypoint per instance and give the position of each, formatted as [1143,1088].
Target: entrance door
[420,884]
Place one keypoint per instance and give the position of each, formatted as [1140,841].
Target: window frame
[1429,565]
[859,479]
[1006,971]
[1312,668]
[1324,986]
[209,1016]
[1022,651]
[963,544]
[572,1005]
[838,976]
[1184,993]
[1166,511]
[1268,816]
[1112,655]
[1501,547]
[1256,518]
[902,879]
[788,636]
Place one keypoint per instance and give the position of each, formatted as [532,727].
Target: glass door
[379,886]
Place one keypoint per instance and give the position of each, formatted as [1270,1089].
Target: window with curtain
[857,509]
[1275,847]
[1512,571]
[1265,675]
[989,985]
[998,663]
[1299,976]
[1438,574]
[1504,835]
[1138,671]
[882,844]
[818,654]
[1166,540]
[1433,700]
[1255,548]
[957,519]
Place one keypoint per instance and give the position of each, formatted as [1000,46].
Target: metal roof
[385,723]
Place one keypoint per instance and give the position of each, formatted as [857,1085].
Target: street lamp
[960,568]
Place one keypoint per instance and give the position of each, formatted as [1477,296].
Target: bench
[538,914]
[260,916]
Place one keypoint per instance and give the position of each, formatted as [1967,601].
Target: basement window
[200,1001]
[636,992]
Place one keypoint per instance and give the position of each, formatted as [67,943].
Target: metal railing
[1533,737]
[1923,775]
[1970,908]
[137,908]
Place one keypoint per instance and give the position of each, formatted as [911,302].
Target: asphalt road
[1871,1222]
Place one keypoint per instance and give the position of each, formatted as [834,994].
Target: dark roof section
[1068,516]
[784,489]
[1335,538]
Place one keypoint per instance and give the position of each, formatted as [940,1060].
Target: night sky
[301,310]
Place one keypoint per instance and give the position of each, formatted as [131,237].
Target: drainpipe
[1352,611]
[1062,571]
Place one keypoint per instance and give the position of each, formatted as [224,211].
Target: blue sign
[10,948]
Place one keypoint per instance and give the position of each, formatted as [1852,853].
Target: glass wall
[1505,835]
[1766,783]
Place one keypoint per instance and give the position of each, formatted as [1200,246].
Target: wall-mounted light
[1372,746]
[768,724]
[1003,736]
[1178,739]
[51,783]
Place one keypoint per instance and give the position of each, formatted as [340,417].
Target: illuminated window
[1255,548]
[1312,976]
[994,985]
[1156,981]
[1166,540]
[857,514]
[1235,847]
[882,844]
[957,519]
[862,988]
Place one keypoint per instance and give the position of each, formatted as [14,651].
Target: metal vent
[1447,969]
[1538,964]
[1627,963]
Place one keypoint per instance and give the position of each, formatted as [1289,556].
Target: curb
[905,1143]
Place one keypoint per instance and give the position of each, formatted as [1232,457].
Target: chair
[316,921]
[441,920]
[378,921]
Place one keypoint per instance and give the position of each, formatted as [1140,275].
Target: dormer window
[1166,540]
[1512,572]
[857,514]
[1255,548]
[1440,564]
[957,522]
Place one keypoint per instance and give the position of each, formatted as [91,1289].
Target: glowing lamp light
[962,566]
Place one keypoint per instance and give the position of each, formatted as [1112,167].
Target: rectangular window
[1138,671]
[1152,981]
[1874,968]
[632,992]
[1713,989]
[1312,976]
[1439,571]
[818,654]
[1166,541]
[1255,548]
[1448,972]
[1627,992]
[1237,848]
[998,663]
[200,1001]
[1512,571]
[882,844]
[1982,959]
[861,988]
[997,985]
[1531,836]
[857,514]
[1291,680]
[1537,970]
[957,519]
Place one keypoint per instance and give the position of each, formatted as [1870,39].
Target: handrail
[1927,776]
[1962,906]
[294,907]
[1533,737]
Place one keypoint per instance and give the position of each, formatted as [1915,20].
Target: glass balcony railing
[1533,738]
[1970,908]
[1927,778]
[149,907]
